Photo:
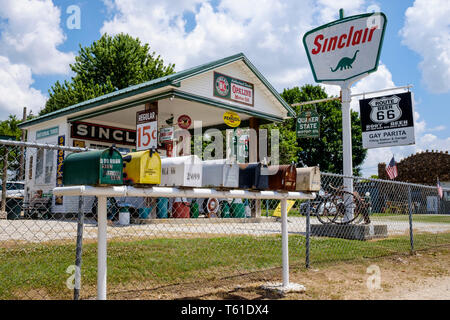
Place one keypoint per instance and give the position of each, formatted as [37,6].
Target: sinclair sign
[345,48]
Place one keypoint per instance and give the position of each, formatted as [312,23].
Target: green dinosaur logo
[345,63]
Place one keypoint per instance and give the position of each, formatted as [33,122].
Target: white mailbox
[220,174]
[183,171]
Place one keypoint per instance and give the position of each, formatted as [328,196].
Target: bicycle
[343,207]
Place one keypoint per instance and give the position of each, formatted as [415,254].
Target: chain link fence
[47,240]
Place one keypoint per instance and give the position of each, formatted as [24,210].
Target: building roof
[170,80]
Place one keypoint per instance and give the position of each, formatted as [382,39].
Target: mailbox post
[101,247]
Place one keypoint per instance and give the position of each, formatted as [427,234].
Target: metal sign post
[347,142]
[340,53]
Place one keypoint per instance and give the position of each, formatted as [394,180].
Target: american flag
[439,187]
[392,169]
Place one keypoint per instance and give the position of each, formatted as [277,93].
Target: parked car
[14,189]
[316,205]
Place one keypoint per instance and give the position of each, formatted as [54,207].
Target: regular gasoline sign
[308,125]
[387,121]
[345,48]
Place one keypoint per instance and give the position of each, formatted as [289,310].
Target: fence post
[3,213]
[411,238]
[308,213]
[80,223]
[101,247]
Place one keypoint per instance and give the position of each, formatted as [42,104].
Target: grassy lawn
[155,262]
[432,218]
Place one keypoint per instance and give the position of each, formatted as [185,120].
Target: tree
[327,150]
[9,127]
[10,156]
[107,65]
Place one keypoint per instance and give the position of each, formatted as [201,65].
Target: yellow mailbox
[142,167]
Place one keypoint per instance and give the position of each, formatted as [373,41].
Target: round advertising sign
[222,86]
[231,119]
[184,121]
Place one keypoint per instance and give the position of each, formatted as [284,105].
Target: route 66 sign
[387,121]
[385,109]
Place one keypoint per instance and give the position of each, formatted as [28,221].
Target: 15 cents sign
[146,130]
[345,48]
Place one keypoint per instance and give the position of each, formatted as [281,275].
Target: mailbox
[183,171]
[253,176]
[142,167]
[284,177]
[96,168]
[308,179]
[220,174]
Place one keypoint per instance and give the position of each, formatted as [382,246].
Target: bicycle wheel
[345,205]
[326,211]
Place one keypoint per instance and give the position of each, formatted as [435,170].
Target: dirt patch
[424,275]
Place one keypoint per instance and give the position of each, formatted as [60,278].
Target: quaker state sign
[233,89]
[308,124]
[387,121]
[345,48]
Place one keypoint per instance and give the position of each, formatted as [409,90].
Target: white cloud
[329,9]
[266,31]
[16,91]
[426,31]
[30,35]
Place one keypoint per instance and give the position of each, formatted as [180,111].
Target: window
[49,164]
[39,163]
[14,186]
[30,169]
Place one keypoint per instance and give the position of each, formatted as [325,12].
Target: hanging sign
[231,119]
[387,121]
[166,134]
[345,48]
[59,168]
[184,121]
[233,89]
[146,129]
[40,134]
[308,124]
[98,132]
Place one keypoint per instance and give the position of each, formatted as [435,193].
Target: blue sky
[36,47]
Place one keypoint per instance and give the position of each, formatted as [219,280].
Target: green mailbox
[96,168]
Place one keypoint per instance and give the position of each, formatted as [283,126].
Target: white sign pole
[347,141]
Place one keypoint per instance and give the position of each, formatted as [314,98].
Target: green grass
[432,218]
[35,267]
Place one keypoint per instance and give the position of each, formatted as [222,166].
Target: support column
[284,243]
[253,140]
[101,247]
[253,156]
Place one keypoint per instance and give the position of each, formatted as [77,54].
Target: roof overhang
[163,88]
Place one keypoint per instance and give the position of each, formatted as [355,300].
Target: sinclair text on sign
[387,121]
[346,48]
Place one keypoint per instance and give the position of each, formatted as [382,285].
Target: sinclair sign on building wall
[345,48]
